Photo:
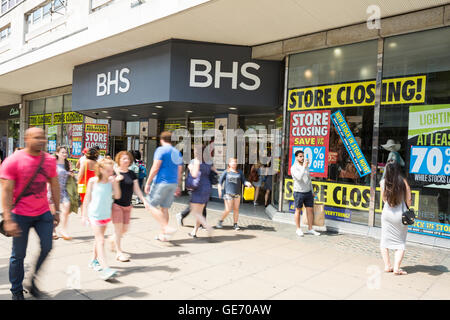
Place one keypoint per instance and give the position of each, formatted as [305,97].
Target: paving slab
[265,260]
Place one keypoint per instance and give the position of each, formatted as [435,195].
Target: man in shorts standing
[167,167]
[303,192]
[25,175]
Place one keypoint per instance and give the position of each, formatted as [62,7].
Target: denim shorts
[301,198]
[230,196]
[162,194]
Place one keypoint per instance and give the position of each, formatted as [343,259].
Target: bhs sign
[201,75]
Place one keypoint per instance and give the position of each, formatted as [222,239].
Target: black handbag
[408,216]
[2,229]
[214,178]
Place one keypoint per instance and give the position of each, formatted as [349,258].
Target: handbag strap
[31,180]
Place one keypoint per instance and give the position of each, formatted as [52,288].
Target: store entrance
[13,135]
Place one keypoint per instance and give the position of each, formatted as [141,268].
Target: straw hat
[391,145]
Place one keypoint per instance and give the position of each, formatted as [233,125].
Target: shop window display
[331,96]
[419,133]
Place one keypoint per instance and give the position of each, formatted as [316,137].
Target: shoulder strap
[31,180]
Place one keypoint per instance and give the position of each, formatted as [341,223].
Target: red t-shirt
[21,167]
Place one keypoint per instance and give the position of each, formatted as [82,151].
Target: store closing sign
[341,195]
[96,135]
[353,149]
[309,132]
[358,94]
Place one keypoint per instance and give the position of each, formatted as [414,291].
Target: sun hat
[391,145]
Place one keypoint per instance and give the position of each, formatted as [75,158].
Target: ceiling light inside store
[308,74]
[337,52]
[159,107]
[364,72]
[108,117]
[393,45]
[189,111]
[271,120]
[105,111]
[232,108]
[154,114]
[134,115]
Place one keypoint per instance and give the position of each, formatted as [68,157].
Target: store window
[416,132]
[331,94]
[61,125]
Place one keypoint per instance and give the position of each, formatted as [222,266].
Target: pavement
[265,260]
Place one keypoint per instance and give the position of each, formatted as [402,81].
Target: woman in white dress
[396,194]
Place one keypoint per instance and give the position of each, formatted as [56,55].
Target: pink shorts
[121,214]
[99,223]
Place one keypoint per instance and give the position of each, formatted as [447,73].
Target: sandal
[122,257]
[55,236]
[400,272]
[162,238]
[391,269]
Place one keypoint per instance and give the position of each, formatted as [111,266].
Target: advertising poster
[350,143]
[345,196]
[338,214]
[96,135]
[358,94]
[310,132]
[429,144]
[51,146]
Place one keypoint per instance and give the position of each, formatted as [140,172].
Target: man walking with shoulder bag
[25,175]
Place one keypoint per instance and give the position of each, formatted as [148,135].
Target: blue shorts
[162,194]
[306,198]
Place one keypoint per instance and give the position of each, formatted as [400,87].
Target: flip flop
[400,272]
[164,238]
[389,270]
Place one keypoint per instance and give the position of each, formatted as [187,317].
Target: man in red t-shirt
[32,209]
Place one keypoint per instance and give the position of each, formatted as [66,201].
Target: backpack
[142,171]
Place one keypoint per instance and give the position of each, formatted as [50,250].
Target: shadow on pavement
[258,227]
[123,271]
[151,255]
[215,239]
[83,238]
[436,270]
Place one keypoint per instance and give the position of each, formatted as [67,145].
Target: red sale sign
[309,131]
[96,135]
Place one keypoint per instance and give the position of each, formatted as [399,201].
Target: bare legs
[256,195]
[99,245]
[197,210]
[266,198]
[232,205]
[119,230]
[398,256]
[65,211]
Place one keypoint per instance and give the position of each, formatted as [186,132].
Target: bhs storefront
[351,108]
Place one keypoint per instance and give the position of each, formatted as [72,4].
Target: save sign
[96,135]
[310,132]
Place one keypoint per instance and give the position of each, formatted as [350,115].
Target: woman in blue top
[200,196]
[234,179]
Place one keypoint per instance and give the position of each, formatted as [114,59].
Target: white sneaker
[299,232]
[313,232]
